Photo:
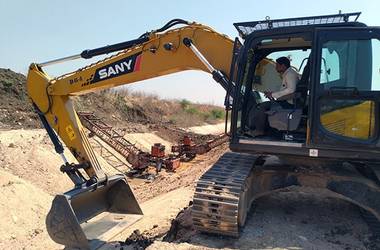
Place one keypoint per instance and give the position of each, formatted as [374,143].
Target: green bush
[206,116]
[185,104]
[121,104]
[217,114]
[192,111]
[7,84]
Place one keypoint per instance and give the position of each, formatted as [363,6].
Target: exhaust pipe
[87,217]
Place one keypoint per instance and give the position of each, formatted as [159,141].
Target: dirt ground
[144,141]
[30,177]
[297,220]
[293,219]
[208,129]
[23,208]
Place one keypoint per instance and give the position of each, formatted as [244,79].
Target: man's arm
[291,80]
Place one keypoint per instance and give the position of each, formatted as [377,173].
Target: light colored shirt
[290,79]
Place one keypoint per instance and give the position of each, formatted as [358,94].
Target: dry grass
[150,109]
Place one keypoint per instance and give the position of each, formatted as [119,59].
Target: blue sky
[42,30]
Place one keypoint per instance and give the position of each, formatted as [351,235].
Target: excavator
[328,141]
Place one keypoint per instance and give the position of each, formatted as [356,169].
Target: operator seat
[303,87]
[289,119]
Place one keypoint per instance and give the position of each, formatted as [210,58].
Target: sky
[42,30]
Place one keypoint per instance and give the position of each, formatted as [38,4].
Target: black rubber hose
[112,48]
[53,136]
[128,44]
[168,25]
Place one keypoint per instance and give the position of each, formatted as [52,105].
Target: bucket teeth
[219,202]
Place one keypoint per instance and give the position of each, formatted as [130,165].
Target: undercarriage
[225,193]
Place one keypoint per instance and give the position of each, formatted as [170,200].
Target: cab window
[349,67]
[350,63]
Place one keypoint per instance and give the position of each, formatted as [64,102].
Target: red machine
[188,150]
[158,150]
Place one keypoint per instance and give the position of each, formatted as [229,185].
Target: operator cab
[288,124]
[335,107]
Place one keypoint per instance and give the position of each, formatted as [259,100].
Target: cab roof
[247,28]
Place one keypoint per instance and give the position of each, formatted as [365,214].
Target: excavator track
[223,194]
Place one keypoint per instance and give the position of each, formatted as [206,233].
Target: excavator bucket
[86,218]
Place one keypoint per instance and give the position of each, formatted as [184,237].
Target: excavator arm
[161,52]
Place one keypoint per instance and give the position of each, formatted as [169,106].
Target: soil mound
[181,229]
[30,155]
[16,110]
[23,208]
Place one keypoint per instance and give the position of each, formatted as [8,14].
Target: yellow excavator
[328,140]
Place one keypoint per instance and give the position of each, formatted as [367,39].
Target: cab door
[346,89]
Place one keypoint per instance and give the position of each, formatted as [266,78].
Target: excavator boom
[83,216]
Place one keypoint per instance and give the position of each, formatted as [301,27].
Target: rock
[14,218]
[138,240]
[181,229]
[11,145]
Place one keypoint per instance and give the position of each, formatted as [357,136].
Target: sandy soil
[23,208]
[29,177]
[29,155]
[144,141]
[208,129]
[154,223]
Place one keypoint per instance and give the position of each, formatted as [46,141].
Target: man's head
[282,64]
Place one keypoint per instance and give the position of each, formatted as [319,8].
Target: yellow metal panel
[356,121]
